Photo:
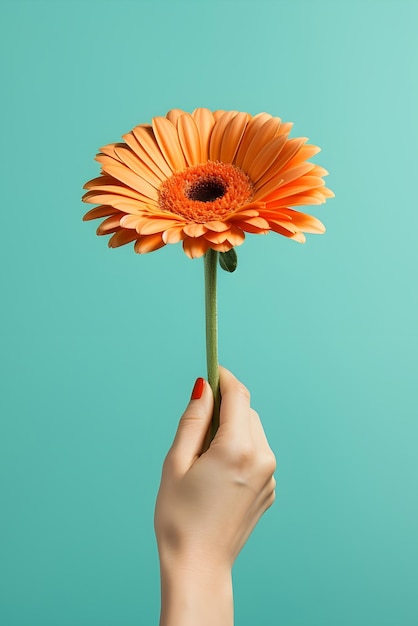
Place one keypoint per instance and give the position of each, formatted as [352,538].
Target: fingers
[193,426]
[235,406]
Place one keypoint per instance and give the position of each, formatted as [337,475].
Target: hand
[209,503]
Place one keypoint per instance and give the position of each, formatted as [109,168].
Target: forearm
[196,594]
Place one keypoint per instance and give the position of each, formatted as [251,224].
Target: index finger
[235,405]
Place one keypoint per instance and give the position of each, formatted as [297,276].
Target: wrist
[194,590]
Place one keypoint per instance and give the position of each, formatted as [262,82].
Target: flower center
[203,193]
[206,190]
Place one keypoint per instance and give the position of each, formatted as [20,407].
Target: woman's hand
[209,503]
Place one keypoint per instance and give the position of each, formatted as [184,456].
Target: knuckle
[242,456]
[269,463]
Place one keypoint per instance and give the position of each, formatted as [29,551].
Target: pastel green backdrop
[100,348]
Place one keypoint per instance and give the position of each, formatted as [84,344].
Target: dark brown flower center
[206,190]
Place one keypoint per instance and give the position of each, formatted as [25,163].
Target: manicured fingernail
[198,389]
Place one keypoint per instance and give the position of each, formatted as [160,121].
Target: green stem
[211,264]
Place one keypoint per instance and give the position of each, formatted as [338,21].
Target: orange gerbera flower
[206,179]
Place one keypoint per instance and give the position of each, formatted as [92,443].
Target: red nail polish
[198,389]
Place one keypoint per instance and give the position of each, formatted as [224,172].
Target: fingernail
[198,389]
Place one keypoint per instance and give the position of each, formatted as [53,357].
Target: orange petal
[317,170]
[291,147]
[214,237]
[130,159]
[269,191]
[309,197]
[265,134]
[148,243]
[306,223]
[117,189]
[145,157]
[305,153]
[122,237]
[232,137]
[285,128]
[217,226]
[173,235]
[251,131]
[195,248]
[218,134]
[189,139]
[146,139]
[263,166]
[194,230]
[150,226]
[299,237]
[236,236]
[123,203]
[174,114]
[218,114]
[125,175]
[103,179]
[205,122]
[109,150]
[109,225]
[258,222]
[130,221]
[100,211]
[305,183]
[168,141]
[285,229]
[221,247]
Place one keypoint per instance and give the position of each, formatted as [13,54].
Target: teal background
[100,348]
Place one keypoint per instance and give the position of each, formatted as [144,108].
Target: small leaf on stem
[228,260]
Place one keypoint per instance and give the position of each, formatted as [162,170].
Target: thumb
[193,425]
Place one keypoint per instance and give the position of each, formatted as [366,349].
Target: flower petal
[305,183]
[109,225]
[251,131]
[205,122]
[265,134]
[214,237]
[194,230]
[152,226]
[148,243]
[174,114]
[130,221]
[126,176]
[236,236]
[217,226]
[143,155]
[189,137]
[218,134]
[273,188]
[146,139]
[195,248]
[123,203]
[122,237]
[173,235]
[264,163]
[130,159]
[115,188]
[258,223]
[232,137]
[306,223]
[100,211]
[168,141]
[291,147]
